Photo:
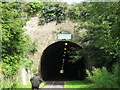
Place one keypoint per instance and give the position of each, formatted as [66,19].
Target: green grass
[28,85]
[67,84]
[23,86]
[42,84]
[76,84]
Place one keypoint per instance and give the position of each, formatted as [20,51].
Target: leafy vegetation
[100,30]
[32,8]
[14,41]
[101,78]
[103,28]
[100,42]
[53,12]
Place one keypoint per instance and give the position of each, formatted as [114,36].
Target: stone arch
[52,63]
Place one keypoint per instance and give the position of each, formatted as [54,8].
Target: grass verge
[76,84]
[29,85]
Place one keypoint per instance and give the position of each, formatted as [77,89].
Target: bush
[101,78]
[9,85]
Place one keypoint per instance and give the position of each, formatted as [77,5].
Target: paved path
[53,85]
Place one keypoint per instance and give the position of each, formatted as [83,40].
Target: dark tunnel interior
[55,63]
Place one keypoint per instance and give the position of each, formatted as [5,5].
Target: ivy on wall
[53,12]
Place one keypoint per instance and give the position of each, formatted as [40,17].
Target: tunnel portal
[55,63]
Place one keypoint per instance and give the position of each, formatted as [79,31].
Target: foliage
[100,42]
[75,55]
[97,56]
[116,72]
[101,78]
[103,27]
[11,83]
[53,12]
[14,41]
[33,46]
[12,37]
[101,19]
[78,12]
[32,8]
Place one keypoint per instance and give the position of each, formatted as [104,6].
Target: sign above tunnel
[64,36]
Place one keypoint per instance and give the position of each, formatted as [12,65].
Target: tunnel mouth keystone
[55,63]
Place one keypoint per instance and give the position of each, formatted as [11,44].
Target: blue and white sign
[64,36]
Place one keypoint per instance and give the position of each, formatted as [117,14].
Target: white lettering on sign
[64,36]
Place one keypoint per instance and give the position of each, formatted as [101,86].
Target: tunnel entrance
[55,63]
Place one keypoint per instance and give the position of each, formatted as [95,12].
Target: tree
[101,21]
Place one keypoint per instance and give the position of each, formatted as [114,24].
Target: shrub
[101,78]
